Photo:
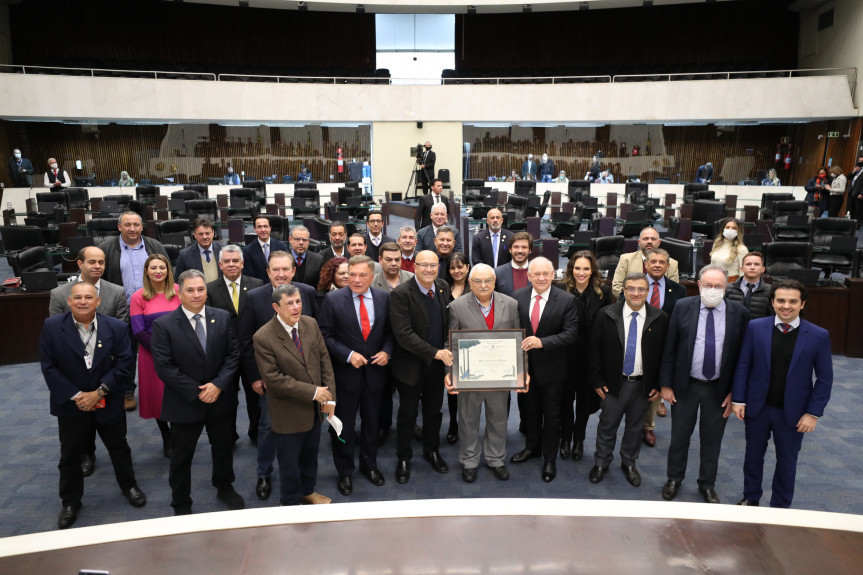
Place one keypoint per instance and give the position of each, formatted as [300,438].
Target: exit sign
[832,134]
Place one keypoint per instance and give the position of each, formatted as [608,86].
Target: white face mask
[544,158]
[729,234]
[712,297]
[530,156]
[17,156]
[53,166]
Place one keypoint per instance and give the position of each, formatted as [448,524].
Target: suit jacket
[111,247]
[752,376]
[254,263]
[680,345]
[292,378]
[633,263]
[557,330]
[113,302]
[328,254]
[257,312]
[190,259]
[673,292]
[183,366]
[218,295]
[310,272]
[410,321]
[503,284]
[529,167]
[425,240]
[607,347]
[429,162]
[422,217]
[373,250]
[481,250]
[342,333]
[380,282]
[62,359]
[20,180]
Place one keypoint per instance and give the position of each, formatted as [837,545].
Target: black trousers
[430,389]
[298,463]
[836,204]
[353,399]
[573,422]
[253,409]
[75,434]
[385,417]
[184,440]
[541,416]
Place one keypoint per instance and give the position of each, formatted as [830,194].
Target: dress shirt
[87,339]
[719,332]
[132,260]
[97,285]
[376,240]
[341,255]
[436,199]
[370,310]
[423,290]
[290,329]
[640,320]
[485,309]
[543,299]
[229,282]
[661,282]
[193,321]
[795,323]
[297,256]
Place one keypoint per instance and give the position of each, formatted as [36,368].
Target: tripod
[414,171]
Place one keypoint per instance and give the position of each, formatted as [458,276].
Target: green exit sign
[832,134]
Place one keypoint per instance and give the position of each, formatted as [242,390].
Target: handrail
[93,71]
[603,78]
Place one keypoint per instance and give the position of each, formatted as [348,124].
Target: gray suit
[381,282]
[464,313]
[113,302]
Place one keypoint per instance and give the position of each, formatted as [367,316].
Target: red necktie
[654,296]
[364,319]
[534,315]
[55,174]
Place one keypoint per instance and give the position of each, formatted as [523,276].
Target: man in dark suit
[427,172]
[198,365]
[229,293]
[259,311]
[698,361]
[203,255]
[256,254]
[549,319]
[663,293]
[374,234]
[86,361]
[490,246]
[422,218]
[529,168]
[512,276]
[750,289]
[309,264]
[338,234]
[420,319]
[21,170]
[426,236]
[355,324]
[774,393]
[625,351]
[293,359]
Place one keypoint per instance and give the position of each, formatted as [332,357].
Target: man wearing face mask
[56,178]
[21,170]
[546,169]
[529,168]
[232,179]
[427,166]
[697,370]
[855,194]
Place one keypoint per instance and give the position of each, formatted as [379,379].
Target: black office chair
[636,220]
[279,229]
[122,200]
[61,205]
[31,260]
[320,228]
[242,203]
[305,186]
[636,194]
[577,189]
[783,256]
[101,229]
[184,195]
[673,227]
[703,195]
[768,199]
[202,209]
[443,176]
[472,186]
[201,191]
[546,198]
[587,208]
[525,188]
[516,207]
[147,195]
[260,188]
[607,250]
[791,221]
[835,243]
[176,232]
[78,198]
[681,251]
[310,200]
[689,191]
[706,214]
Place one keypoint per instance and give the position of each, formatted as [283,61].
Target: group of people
[328,336]
[830,190]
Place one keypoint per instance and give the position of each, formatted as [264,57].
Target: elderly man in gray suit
[484,309]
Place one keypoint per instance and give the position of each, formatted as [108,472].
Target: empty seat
[783,256]
[607,250]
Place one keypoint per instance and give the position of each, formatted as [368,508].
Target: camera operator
[426,159]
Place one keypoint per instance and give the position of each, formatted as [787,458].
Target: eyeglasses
[301,240]
[635,290]
[478,282]
[427,266]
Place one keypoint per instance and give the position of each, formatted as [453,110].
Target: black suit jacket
[409,320]
[373,250]
[429,163]
[481,250]
[503,283]
[21,180]
[254,263]
[328,254]
[680,345]
[607,347]
[423,213]
[309,272]
[111,247]
[183,366]
[557,329]
[218,295]
[673,292]
[190,258]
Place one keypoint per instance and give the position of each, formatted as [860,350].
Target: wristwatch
[102,390]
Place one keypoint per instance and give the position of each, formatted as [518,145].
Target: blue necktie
[631,341]
[709,366]
[494,247]
[199,331]
[207,255]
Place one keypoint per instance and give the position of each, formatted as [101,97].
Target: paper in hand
[336,424]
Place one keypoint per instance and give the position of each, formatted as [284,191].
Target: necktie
[267,252]
[709,366]
[654,295]
[436,199]
[364,319]
[786,327]
[207,255]
[430,293]
[199,331]
[235,297]
[296,339]
[631,342]
[494,247]
[299,261]
[534,315]
[747,298]
[376,241]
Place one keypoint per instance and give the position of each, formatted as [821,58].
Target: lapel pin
[99,344]
[212,321]
[244,288]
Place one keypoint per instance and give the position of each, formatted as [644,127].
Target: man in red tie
[55,178]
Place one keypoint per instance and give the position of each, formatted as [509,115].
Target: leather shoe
[129,402]
[597,474]
[88,464]
[577,450]
[231,498]
[501,472]
[375,476]
[316,499]
[632,474]
[565,449]
[523,456]
[263,488]
[746,502]
[661,411]
[345,485]
[452,435]
[469,474]
[437,462]
[183,510]
[649,438]
[68,515]
[135,496]
[549,471]
[709,495]
[403,471]
[670,489]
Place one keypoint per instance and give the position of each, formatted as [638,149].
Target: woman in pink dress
[158,297]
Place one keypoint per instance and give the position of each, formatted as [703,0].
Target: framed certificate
[487,360]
